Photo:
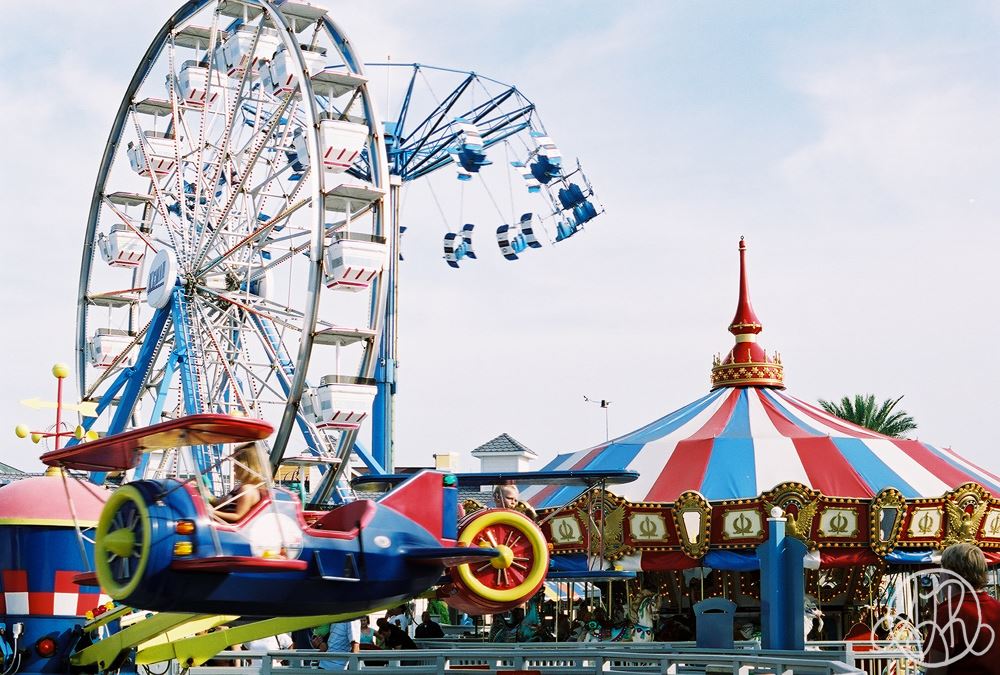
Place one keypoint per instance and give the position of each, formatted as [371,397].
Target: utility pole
[604,404]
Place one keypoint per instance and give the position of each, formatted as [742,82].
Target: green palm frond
[865,412]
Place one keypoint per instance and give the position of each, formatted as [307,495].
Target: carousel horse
[812,613]
[523,626]
[530,628]
[641,626]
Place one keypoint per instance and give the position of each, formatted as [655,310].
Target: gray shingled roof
[8,469]
[502,444]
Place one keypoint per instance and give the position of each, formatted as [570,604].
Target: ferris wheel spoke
[258,237]
[223,360]
[213,38]
[236,302]
[176,123]
[145,150]
[237,189]
[232,109]
[129,224]
[302,248]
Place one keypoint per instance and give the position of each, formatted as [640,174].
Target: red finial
[745,320]
[747,364]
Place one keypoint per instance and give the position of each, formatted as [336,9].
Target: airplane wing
[119,452]
[450,556]
[581,478]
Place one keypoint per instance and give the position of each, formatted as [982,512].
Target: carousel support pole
[782,587]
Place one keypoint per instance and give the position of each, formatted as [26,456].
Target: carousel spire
[747,364]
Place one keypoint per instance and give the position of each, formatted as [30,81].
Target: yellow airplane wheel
[518,572]
[122,544]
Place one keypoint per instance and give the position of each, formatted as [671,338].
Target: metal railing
[653,659]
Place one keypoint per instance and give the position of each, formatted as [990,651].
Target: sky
[854,145]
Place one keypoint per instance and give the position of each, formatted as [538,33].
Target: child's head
[248,464]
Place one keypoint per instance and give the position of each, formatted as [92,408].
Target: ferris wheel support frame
[383,411]
[381,457]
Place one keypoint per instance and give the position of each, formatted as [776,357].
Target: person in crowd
[965,637]
[302,639]
[249,476]
[393,637]
[400,616]
[367,635]
[428,628]
[342,637]
[563,629]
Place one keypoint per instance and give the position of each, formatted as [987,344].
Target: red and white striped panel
[64,600]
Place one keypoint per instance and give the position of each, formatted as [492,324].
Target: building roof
[8,469]
[503,444]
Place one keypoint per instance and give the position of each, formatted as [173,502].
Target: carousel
[869,508]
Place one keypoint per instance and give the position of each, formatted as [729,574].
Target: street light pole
[604,404]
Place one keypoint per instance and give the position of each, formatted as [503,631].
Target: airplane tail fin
[429,500]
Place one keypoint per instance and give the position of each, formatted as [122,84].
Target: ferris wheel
[237,242]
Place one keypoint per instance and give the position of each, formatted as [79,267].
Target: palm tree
[863,411]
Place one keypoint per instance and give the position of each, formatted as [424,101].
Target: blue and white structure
[237,244]
[491,135]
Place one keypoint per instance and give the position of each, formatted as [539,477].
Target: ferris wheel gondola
[235,249]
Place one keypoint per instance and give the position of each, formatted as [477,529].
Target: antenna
[604,403]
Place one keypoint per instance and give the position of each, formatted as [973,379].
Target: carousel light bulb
[78,432]
[22,431]
[60,370]
[36,438]
[776,512]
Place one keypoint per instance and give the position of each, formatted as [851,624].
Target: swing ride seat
[458,246]
[584,213]
[531,182]
[472,160]
[511,241]
[571,196]
[544,169]
[566,229]
[528,230]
